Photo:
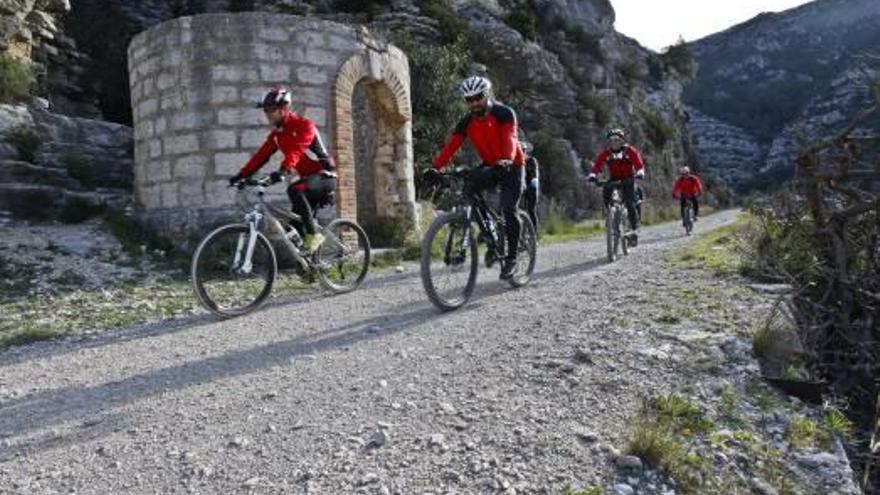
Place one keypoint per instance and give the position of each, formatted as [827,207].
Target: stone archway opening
[374,145]
[379,148]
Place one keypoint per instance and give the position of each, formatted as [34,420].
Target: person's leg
[299,204]
[629,199]
[683,202]
[607,192]
[696,201]
[531,205]
[511,191]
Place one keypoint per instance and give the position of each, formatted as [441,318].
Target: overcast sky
[658,23]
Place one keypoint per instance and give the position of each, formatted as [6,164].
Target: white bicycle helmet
[684,170]
[474,86]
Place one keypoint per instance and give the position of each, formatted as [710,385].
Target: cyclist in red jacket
[625,164]
[491,129]
[307,165]
[688,187]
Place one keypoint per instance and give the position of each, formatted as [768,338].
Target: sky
[659,23]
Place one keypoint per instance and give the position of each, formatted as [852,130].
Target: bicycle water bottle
[294,237]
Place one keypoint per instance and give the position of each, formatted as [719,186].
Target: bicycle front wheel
[609,234]
[526,252]
[225,281]
[343,259]
[449,261]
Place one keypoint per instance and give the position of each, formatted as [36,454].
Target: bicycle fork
[246,265]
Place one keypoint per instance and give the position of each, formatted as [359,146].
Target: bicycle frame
[267,215]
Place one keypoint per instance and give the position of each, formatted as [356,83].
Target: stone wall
[194,81]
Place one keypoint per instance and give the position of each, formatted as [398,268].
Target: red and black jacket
[688,186]
[622,164]
[493,136]
[297,137]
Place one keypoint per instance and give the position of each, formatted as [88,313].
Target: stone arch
[380,187]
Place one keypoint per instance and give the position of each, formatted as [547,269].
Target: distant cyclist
[624,164]
[688,188]
[306,163]
[491,129]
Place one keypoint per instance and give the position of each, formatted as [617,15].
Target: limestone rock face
[778,77]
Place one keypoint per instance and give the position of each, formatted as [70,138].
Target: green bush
[588,42]
[602,112]
[659,132]
[522,18]
[557,175]
[435,71]
[80,167]
[77,210]
[452,26]
[26,141]
[631,70]
[241,6]
[16,78]
[386,232]
[679,57]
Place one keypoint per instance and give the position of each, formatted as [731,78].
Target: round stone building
[194,83]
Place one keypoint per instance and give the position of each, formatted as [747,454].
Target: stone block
[177,145]
[274,34]
[155,148]
[187,120]
[221,140]
[312,75]
[191,167]
[224,94]
[239,117]
[159,171]
[275,73]
[234,74]
[228,164]
[317,114]
[169,197]
[253,138]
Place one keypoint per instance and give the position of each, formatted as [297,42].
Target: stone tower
[194,82]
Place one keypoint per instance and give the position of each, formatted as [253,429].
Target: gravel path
[523,391]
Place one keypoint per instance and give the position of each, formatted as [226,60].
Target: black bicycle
[687,216]
[450,252]
[618,236]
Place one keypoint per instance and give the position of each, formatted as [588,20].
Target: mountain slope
[792,70]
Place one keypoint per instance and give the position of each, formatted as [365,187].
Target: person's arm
[260,158]
[519,160]
[453,145]
[700,189]
[509,142]
[636,158]
[600,162]
[676,189]
[297,141]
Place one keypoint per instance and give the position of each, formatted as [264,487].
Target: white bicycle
[235,266]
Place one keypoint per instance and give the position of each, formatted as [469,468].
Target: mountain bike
[618,234]
[450,252]
[687,216]
[234,267]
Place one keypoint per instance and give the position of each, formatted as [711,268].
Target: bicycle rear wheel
[688,220]
[221,281]
[526,252]
[343,259]
[449,261]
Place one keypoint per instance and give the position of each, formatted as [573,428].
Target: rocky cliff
[560,63]
[763,83]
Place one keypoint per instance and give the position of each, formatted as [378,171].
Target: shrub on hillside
[16,78]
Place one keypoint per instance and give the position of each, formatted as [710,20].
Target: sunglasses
[475,98]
